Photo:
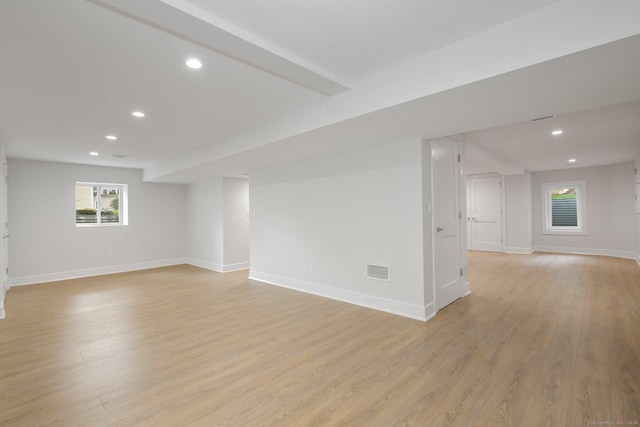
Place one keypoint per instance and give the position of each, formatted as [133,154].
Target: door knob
[440,229]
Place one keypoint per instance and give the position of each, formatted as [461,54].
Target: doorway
[485,207]
[447,215]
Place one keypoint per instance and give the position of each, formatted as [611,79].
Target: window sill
[565,232]
[99,225]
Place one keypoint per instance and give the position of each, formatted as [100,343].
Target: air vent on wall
[379,272]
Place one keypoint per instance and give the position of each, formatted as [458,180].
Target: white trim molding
[514,250]
[400,308]
[588,251]
[218,268]
[76,274]
[580,188]
[3,293]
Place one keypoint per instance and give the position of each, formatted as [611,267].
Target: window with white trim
[101,204]
[564,208]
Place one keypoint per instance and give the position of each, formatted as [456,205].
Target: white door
[446,221]
[484,214]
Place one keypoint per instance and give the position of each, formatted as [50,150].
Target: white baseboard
[66,275]
[218,268]
[516,250]
[2,312]
[467,288]
[587,251]
[236,267]
[400,308]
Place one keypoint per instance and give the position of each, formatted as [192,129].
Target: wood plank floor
[543,340]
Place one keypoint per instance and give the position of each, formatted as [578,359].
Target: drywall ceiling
[73,72]
[283,81]
[605,135]
[357,38]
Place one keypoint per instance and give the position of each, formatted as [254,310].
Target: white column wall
[318,223]
[518,213]
[205,230]
[236,223]
[218,224]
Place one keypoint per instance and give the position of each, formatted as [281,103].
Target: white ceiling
[354,39]
[605,135]
[285,80]
[73,72]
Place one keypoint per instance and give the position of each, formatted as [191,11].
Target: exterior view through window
[100,204]
[564,208]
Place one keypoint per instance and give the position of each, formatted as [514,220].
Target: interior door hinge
[459,158]
[461,273]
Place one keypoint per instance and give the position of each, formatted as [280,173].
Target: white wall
[46,245]
[637,185]
[217,224]
[3,219]
[518,194]
[611,219]
[318,223]
[236,223]
[205,224]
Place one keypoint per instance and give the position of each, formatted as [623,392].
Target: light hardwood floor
[543,340]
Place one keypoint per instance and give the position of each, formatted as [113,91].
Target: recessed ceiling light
[111,137]
[137,114]
[556,132]
[572,160]
[194,63]
[93,153]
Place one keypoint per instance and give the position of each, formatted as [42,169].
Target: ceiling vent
[379,272]
[119,156]
[538,119]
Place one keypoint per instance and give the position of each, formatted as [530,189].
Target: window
[101,204]
[564,208]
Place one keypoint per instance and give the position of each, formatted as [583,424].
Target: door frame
[463,281]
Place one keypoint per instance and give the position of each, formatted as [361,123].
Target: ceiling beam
[566,70]
[184,20]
